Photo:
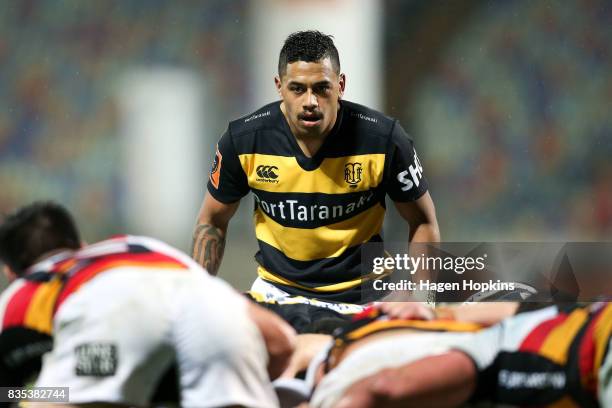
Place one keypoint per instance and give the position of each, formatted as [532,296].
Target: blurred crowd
[515,123]
[60,66]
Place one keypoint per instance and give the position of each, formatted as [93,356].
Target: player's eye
[296,89]
[322,89]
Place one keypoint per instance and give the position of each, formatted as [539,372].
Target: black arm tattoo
[208,246]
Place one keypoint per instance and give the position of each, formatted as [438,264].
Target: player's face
[310,93]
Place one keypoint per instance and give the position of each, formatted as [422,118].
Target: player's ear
[279,85]
[8,273]
[342,84]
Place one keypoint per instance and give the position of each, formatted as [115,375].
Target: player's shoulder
[367,120]
[134,245]
[268,116]
[8,296]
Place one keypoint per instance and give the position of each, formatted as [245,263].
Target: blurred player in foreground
[121,313]
[319,168]
[553,355]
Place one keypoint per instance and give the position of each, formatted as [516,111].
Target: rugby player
[554,355]
[121,313]
[319,168]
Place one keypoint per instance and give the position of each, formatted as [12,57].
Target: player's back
[123,311]
[29,304]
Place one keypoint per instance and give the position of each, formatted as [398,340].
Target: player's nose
[311,100]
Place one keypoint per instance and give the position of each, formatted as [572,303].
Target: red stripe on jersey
[90,270]
[367,313]
[14,314]
[534,340]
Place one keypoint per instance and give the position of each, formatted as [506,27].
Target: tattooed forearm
[208,246]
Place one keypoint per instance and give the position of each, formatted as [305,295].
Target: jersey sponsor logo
[96,359]
[267,174]
[293,210]
[411,177]
[215,170]
[531,380]
[352,173]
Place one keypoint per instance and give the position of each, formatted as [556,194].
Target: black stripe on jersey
[277,144]
[138,249]
[353,295]
[319,272]
[269,140]
[271,135]
[40,276]
[574,380]
[21,351]
[313,210]
[525,378]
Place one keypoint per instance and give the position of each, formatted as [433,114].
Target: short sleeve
[227,181]
[404,178]
[21,351]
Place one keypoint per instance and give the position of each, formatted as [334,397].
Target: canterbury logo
[267,173]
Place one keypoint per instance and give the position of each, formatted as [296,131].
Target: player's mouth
[310,119]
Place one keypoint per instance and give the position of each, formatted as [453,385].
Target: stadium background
[112,108]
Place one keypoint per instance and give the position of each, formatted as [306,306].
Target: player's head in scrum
[33,232]
[310,83]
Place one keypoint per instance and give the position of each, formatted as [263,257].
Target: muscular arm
[278,336]
[421,217]
[210,231]
[445,380]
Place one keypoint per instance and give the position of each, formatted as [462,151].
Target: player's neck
[309,146]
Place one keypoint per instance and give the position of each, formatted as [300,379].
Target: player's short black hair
[308,46]
[34,230]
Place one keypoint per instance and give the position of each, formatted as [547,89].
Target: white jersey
[130,307]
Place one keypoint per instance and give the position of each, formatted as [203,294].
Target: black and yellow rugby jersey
[313,214]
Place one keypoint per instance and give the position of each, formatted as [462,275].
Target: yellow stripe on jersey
[601,335]
[269,276]
[427,325]
[39,315]
[328,178]
[329,241]
[558,341]
[565,402]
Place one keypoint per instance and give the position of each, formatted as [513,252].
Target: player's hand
[406,310]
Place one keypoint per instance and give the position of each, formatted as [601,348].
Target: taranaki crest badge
[352,174]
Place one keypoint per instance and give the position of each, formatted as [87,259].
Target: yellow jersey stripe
[565,402]
[430,325]
[328,177]
[323,242]
[39,315]
[269,276]
[558,341]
